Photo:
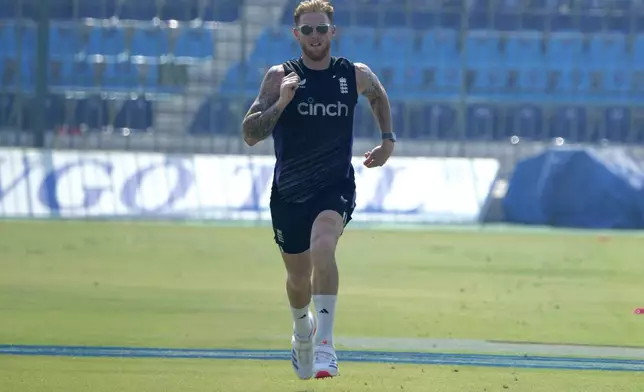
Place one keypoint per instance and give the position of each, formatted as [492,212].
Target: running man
[307,105]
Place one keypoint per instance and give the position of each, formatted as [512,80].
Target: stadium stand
[455,69]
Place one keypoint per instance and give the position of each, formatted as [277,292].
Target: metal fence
[465,76]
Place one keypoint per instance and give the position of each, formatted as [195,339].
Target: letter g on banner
[48,190]
[132,186]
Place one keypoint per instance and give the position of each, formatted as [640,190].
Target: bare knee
[298,270]
[323,246]
[327,228]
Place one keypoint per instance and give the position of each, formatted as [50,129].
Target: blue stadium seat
[147,75]
[638,49]
[15,38]
[6,107]
[490,82]
[508,16]
[397,46]
[54,113]
[7,41]
[525,121]
[565,49]
[617,83]
[358,43]
[243,78]
[181,10]
[138,10]
[18,73]
[409,82]
[73,75]
[433,121]
[92,112]
[194,43]
[561,21]
[572,84]
[617,124]
[483,49]
[478,15]
[273,46]
[448,82]
[106,41]
[150,42]
[399,115]
[607,51]
[568,122]
[483,122]
[364,123]
[439,48]
[120,76]
[135,114]
[103,9]
[532,83]
[222,10]
[524,50]
[215,115]
[65,40]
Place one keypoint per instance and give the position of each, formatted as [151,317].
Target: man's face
[314,33]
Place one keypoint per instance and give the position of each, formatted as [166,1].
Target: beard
[316,54]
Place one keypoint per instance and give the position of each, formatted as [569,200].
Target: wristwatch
[389,136]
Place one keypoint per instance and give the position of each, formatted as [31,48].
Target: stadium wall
[137,185]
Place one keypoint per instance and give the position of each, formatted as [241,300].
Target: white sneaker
[302,352]
[325,361]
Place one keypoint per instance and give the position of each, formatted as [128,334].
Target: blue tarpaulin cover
[577,188]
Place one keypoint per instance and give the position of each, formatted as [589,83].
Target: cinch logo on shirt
[310,108]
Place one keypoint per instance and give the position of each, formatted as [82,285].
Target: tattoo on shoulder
[375,92]
[269,91]
[263,114]
[373,89]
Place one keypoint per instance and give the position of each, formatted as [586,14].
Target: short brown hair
[308,6]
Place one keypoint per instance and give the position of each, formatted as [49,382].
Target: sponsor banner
[78,184]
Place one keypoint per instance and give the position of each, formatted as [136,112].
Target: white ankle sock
[325,309]
[302,322]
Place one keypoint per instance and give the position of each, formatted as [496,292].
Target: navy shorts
[293,222]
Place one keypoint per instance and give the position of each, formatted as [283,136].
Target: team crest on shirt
[344,88]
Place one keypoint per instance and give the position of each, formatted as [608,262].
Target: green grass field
[154,285]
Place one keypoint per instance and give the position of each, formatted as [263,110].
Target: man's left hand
[379,155]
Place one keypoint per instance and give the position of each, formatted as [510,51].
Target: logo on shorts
[279,236]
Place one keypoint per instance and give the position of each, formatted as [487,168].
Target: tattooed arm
[267,108]
[370,87]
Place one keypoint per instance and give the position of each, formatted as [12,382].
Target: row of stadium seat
[181,10]
[393,44]
[482,121]
[67,74]
[506,15]
[187,43]
[492,83]
[411,120]
[91,113]
[476,47]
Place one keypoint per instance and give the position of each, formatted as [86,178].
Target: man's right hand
[288,87]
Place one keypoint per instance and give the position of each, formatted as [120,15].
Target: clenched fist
[289,84]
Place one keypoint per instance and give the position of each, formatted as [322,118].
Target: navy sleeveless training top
[313,138]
